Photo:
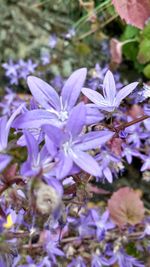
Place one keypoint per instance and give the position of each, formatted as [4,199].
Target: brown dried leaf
[125,206]
[134,12]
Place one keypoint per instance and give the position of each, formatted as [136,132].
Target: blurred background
[51,38]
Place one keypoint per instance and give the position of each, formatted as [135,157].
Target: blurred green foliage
[25,27]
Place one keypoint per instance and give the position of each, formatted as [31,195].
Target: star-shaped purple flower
[111,99]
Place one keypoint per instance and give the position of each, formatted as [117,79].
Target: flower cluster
[18,70]
[55,150]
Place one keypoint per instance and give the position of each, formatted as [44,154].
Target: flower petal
[94,96]
[3,134]
[93,115]
[76,120]
[94,139]
[54,133]
[86,162]
[125,91]
[109,89]
[44,94]
[33,119]
[108,174]
[72,87]
[32,146]
[64,166]
[4,161]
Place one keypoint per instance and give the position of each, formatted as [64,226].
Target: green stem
[97,9]
[130,41]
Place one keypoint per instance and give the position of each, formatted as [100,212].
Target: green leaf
[129,33]
[146,32]
[146,71]
[130,51]
[144,51]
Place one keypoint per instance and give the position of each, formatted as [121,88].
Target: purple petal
[125,91]
[108,174]
[109,89]
[94,140]
[72,87]
[93,115]
[3,133]
[95,97]
[51,146]
[32,146]
[54,133]
[145,166]
[64,166]
[33,119]
[85,162]
[76,120]
[4,161]
[44,94]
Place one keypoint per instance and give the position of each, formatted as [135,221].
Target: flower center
[67,147]
[63,115]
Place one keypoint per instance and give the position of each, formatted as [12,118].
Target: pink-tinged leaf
[134,12]
[126,207]
[116,51]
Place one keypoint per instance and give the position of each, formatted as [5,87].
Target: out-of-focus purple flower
[102,223]
[51,247]
[52,41]
[71,33]
[78,262]
[99,261]
[11,69]
[70,146]
[84,225]
[45,58]
[111,99]
[10,102]
[135,134]
[146,164]
[109,164]
[57,82]
[19,70]
[145,93]
[124,260]
[25,68]
[129,152]
[31,263]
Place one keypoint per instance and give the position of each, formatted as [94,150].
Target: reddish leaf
[125,206]
[134,12]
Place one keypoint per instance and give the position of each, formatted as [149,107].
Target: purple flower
[52,41]
[31,263]
[70,146]
[110,99]
[56,109]
[146,164]
[11,71]
[78,262]
[109,164]
[45,58]
[99,261]
[124,260]
[25,68]
[102,223]
[129,152]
